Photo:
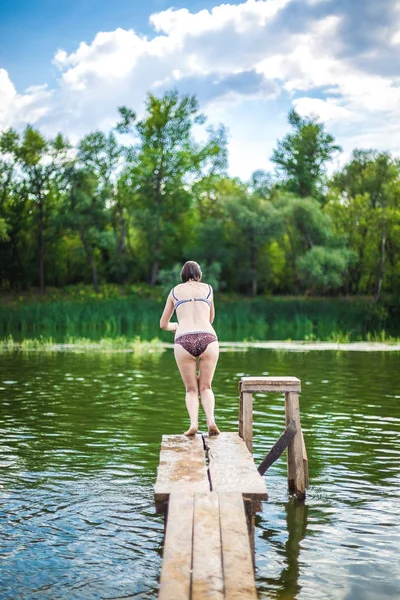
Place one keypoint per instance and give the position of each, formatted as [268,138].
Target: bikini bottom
[196,342]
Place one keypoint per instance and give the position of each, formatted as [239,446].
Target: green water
[80,437]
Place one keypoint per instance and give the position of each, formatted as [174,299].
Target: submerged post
[290,387]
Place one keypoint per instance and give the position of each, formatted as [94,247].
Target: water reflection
[286,586]
[79,448]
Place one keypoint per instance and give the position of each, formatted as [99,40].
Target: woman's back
[193,305]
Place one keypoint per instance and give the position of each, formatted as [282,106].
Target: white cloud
[242,17]
[19,109]
[326,110]
[227,55]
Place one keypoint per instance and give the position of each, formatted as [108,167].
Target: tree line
[131,205]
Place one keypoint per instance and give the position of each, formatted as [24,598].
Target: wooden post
[305,460]
[296,476]
[246,418]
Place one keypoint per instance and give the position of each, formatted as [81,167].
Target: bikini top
[178,302]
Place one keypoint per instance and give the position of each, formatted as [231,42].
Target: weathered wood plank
[270,384]
[296,479]
[236,552]
[305,460]
[278,448]
[176,574]
[232,468]
[182,467]
[207,575]
[246,419]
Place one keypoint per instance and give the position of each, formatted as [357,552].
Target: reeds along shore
[339,320]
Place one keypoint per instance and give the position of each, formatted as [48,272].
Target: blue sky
[31,31]
[68,65]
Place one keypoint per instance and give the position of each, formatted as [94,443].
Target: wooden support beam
[296,477]
[246,419]
[278,448]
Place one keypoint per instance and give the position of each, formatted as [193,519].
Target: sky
[67,65]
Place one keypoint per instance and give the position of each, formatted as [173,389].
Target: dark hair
[190,270]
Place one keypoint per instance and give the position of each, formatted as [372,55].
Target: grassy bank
[118,314]
[120,344]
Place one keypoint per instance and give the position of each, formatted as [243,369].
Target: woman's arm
[167,314]
[212,308]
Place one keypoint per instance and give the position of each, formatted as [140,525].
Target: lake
[80,439]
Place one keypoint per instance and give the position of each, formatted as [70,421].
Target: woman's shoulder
[205,286]
[201,284]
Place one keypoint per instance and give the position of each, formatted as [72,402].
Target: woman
[195,338]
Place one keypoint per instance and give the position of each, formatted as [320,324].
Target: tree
[167,160]
[104,156]
[301,157]
[364,201]
[85,213]
[42,163]
[8,144]
[316,255]
[323,268]
[255,223]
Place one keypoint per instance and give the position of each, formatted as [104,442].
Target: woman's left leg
[187,367]
[207,363]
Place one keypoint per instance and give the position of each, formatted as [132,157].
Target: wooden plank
[175,582]
[182,467]
[278,448]
[270,384]
[236,551]
[207,575]
[296,479]
[246,419]
[305,461]
[232,467]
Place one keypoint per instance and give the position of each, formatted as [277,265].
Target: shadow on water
[80,437]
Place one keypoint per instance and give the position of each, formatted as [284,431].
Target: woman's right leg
[187,368]
[207,363]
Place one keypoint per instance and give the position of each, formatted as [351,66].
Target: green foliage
[323,268]
[78,344]
[117,313]
[159,179]
[364,203]
[340,337]
[3,231]
[301,157]
[125,210]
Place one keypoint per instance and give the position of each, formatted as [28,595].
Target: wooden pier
[210,490]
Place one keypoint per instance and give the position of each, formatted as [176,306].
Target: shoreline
[158,347]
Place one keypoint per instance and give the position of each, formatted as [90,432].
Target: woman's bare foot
[213,430]
[192,430]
